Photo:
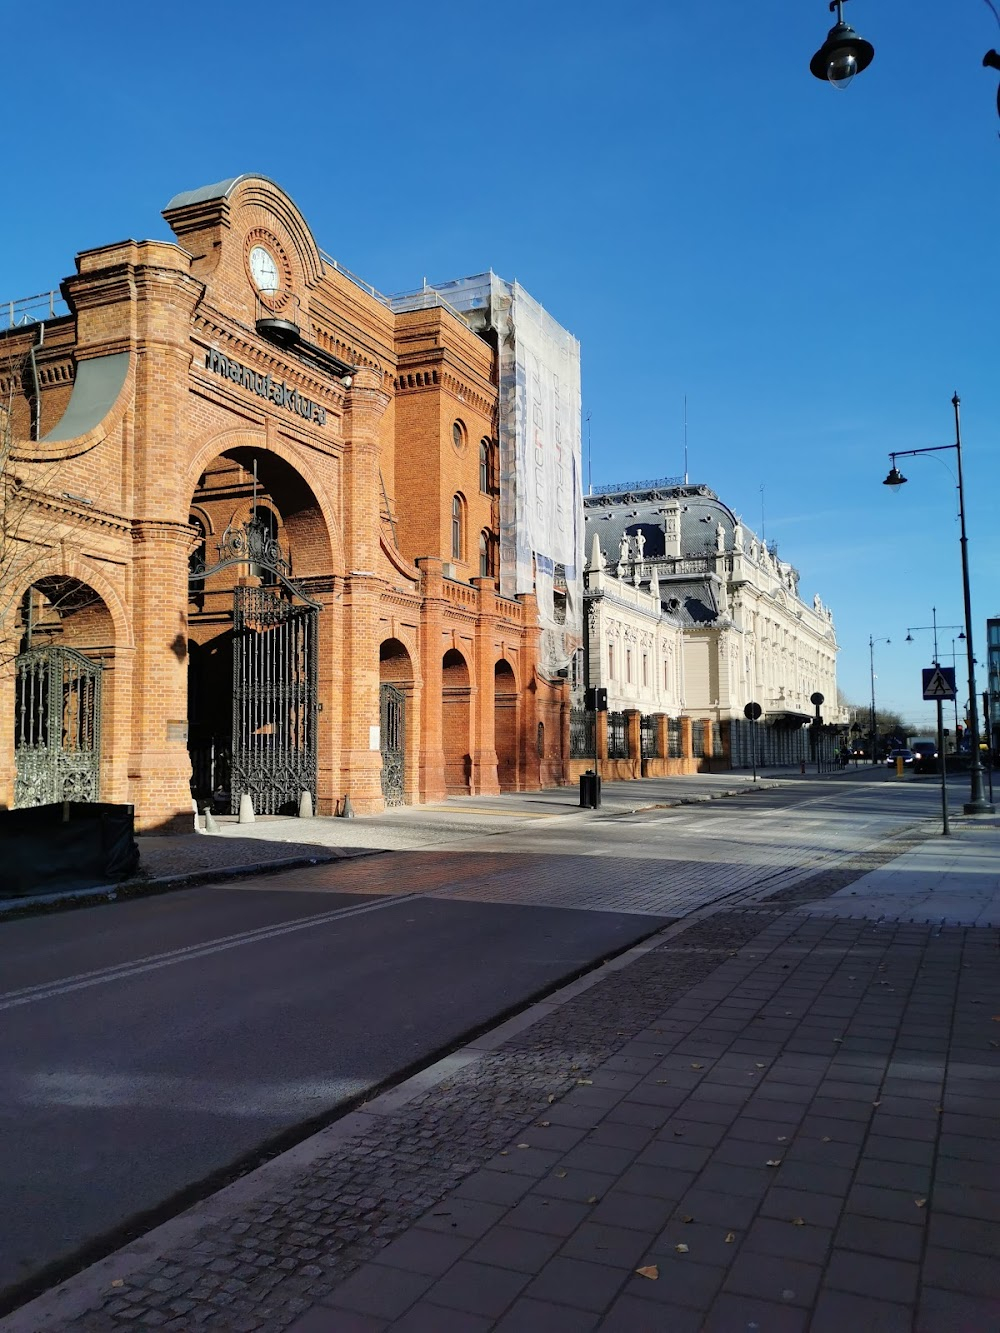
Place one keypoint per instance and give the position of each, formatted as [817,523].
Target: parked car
[907,757]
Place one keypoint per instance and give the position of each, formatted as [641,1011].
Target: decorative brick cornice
[91,517]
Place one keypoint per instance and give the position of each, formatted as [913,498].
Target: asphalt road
[147,1046]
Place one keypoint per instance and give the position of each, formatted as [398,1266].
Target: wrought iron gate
[274,700]
[392,729]
[57,727]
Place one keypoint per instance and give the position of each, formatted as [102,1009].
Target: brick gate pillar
[361,764]
[633,730]
[159,768]
[431,761]
[485,779]
[687,746]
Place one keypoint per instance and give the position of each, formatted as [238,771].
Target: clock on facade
[264,269]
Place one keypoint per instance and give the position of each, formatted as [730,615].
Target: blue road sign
[939,682]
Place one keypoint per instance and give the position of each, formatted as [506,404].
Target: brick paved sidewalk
[808,1139]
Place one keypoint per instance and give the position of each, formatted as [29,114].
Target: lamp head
[841,56]
[908,639]
[895,477]
[962,634]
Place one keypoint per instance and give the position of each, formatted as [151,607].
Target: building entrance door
[392,730]
[57,726]
[274,700]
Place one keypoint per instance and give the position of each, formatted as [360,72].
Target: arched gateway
[254,640]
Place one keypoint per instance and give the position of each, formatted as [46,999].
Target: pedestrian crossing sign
[939,682]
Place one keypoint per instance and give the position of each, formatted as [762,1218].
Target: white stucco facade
[691,614]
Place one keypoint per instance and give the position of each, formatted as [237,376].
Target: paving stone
[894,1175]
[774,1278]
[674,1154]
[890,1240]
[682,1281]
[660,1182]
[890,1204]
[820,1210]
[321,1319]
[381,1291]
[706,1241]
[814,1177]
[598,1157]
[575,1185]
[553,1217]
[838,1311]
[617,1135]
[953,1269]
[496,1187]
[629,1314]
[514,1247]
[683,1130]
[477,1288]
[532,1316]
[733,1212]
[920,1152]
[736,1314]
[943,1311]
[638,1212]
[464,1217]
[872,1275]
[573,1282]
[420,1251]
[742,1180]
[426,1317]
[970,1235]
[780,1237]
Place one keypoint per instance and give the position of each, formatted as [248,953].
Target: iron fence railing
[673,738]
[649,735]
[581,733]
[717,740]
[617,736]
[698,739]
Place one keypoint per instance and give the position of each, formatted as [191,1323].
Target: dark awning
[789,718]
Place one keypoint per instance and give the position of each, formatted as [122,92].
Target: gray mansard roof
[626,512]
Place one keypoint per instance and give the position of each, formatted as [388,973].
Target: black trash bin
[590,790]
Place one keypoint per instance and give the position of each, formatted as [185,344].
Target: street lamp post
[871,660]
[845,54]
[977,803]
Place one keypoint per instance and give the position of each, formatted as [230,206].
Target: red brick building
[252,536]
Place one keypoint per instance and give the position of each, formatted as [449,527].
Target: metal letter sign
[939,682]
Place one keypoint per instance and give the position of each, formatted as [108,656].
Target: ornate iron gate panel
[392,729]
[274,700]
[57,727]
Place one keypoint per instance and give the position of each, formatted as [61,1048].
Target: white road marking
[151,962]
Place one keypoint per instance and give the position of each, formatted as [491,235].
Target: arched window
[484,556]
[268,521]
[484,466]
[457,527]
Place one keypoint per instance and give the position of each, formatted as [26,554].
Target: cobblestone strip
[260,1267]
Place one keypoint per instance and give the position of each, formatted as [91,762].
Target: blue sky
[816,270]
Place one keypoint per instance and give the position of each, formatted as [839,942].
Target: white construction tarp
[541,505]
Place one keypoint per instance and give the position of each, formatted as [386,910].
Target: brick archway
[456,707]
[505,725]
[260,657]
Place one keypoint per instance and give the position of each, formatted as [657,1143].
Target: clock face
[264,269]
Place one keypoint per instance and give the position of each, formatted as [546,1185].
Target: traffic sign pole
[945,829]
